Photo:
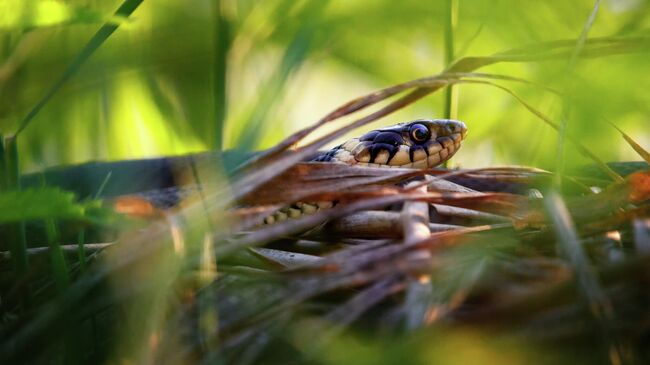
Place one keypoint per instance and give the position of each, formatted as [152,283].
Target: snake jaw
[396,146]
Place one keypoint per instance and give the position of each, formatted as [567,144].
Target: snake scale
[421,143]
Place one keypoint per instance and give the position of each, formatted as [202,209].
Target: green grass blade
[222,43]
[11,163]
[127,7]
[451,19]
[564,120]
[3,164]
[81,238]
[450,93]
[645,155]
[59,266]
[17,232]
[580,44]
[81,249]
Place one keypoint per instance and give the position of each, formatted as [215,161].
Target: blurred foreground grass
[179,77]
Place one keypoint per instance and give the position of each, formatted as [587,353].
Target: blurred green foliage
[21,15]
[16,206]
[187,76]
[156,86]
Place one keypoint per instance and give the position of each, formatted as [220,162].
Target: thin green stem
[59,267]
[450,93]
[3,165]
[17,231]
[81,237]
[564,120]
[451,20]
[221,41]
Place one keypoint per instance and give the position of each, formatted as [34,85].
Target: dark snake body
[154,179]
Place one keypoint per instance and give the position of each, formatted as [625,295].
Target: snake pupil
[420,133]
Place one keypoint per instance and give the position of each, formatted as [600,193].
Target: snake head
[422,143]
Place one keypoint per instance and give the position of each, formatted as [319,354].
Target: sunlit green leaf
[32,204]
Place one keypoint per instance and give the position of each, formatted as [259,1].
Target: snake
[420,143]
[417,144]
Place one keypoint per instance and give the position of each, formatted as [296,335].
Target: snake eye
[420,133]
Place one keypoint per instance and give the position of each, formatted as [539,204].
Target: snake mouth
[422,143]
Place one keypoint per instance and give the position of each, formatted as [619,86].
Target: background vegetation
[81,82]
[156,86]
